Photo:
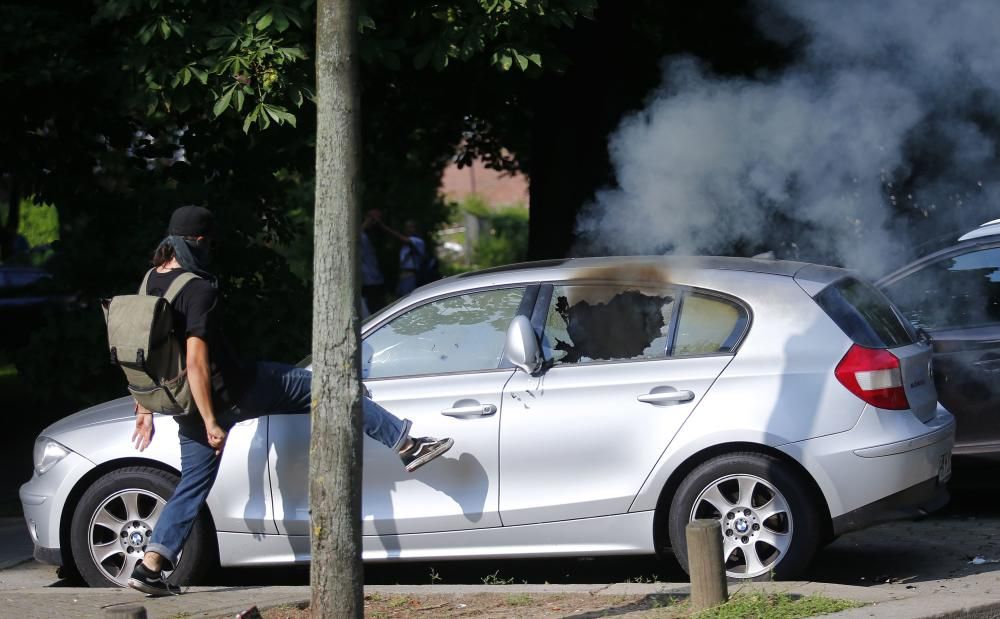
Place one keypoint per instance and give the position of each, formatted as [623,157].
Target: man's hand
[216,438]
[144,429]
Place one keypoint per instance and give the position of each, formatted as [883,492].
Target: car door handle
[666,397]
[478,410]
[990,366]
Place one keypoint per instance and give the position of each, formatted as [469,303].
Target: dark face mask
[201,251]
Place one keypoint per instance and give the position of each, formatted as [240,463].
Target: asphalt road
[938,547]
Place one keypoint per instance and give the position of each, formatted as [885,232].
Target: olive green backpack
[142,342]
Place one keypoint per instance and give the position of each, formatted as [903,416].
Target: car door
[627,365]
[436,364]
[956,299]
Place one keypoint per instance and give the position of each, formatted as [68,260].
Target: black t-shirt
[197,314]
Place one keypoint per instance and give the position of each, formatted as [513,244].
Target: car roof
[650,268]
[989,228]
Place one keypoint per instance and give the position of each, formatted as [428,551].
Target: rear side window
[708,326]
[865,314]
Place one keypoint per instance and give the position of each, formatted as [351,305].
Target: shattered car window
[708,325]
[961,291]
[607,323]
[463,333]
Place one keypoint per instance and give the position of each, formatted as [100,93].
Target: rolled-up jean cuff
[403,435]
[167,554]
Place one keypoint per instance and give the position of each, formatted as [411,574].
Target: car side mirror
[522,350]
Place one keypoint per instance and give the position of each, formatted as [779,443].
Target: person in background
[411,254]
[372,280]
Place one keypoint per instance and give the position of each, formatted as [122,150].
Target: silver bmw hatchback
[597,405]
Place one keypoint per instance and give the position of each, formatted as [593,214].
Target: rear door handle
[990,366]
[666,397]
[478,410]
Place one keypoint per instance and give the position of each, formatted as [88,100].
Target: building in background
[493,209]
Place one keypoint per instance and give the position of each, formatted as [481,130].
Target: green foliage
[503,235]
[39,223]
[776,606]
[247,57]
[242,57]
[126,109]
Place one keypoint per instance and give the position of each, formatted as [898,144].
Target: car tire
[114,519]
[768,514]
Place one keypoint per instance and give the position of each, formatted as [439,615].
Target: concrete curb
[868,595]
[937,606]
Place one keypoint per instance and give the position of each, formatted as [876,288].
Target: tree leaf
[252,116]
[239,99]
[223,102]
[280,20]
[423,56]
[297,98]
[365,22]
[522,61]
[200,74]
[146,34]
[440,60]
[164,28]
[279,114]
[506,61]
[264,21]
[186,76]
[535,58]
[292,52]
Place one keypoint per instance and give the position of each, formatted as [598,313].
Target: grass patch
[520,599]
[776,606]
[399,602]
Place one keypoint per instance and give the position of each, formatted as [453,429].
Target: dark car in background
[953,294]
[25,292]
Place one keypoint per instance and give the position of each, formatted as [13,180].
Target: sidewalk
[912,569]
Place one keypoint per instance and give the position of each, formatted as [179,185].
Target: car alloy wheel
[115,519]
[771,515]
[756,523]
[120,529]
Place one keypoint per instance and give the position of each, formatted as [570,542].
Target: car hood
[108,412]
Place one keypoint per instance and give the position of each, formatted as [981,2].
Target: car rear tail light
[873,374]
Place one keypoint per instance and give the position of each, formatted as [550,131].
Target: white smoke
[889,118]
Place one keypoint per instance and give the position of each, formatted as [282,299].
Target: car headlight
[47,454]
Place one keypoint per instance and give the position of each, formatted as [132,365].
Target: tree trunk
[335,451]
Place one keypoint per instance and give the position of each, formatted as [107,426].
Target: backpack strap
[175,286]
[145,281]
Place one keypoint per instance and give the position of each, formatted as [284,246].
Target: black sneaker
[423,450]
[150,582]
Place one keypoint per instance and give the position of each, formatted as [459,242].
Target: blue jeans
[278,389]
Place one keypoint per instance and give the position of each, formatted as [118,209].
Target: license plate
[944,469]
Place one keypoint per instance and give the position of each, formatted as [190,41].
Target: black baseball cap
[191,221]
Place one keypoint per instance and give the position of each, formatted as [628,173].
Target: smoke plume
[884,132]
